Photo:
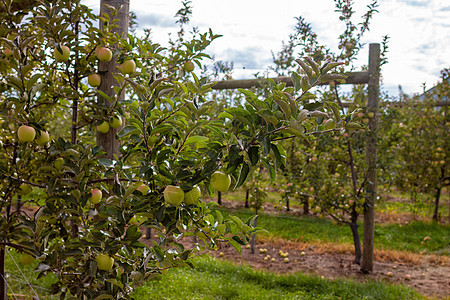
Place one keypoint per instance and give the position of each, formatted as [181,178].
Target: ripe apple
[173,195]
[25,189]
[407,277]
[220,181]
[188,66]
[128,67]
[62,56]
[43,139]
[192,196]
[273,259]
[26,133]
[115,122]
[143,188]
[26,259]
[96,196]
[303,253]
[286,260]
[104,262]
[94,80]
[221,254]
[389,274]
[104,54]
[103,128]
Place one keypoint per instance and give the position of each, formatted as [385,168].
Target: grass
[23,279]
[215,279]
[416,237]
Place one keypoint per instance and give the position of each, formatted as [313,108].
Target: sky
[419,31]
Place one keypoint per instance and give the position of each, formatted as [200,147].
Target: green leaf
[268,116]
[236,246]
[253,155]
[196,139]
[242,175]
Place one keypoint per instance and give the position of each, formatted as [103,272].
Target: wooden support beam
[353,78]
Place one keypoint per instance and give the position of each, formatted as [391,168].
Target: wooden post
[107,70]
[371,159]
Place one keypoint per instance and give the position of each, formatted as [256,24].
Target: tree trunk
[287,204]
[371,159]
[436,204]
[107,70]
[305,205]
[356,241]
[148,233]
[247,195]
[219,198]
[252,244]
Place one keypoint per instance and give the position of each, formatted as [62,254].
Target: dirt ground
[428,278]
[429,275]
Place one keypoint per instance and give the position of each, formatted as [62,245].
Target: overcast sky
[419,32]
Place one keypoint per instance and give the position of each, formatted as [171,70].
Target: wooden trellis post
[371,159]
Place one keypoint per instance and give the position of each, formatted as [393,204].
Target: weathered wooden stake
[107,70]
[371,159]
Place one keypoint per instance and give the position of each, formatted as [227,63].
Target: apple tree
[83,218]
[419,146]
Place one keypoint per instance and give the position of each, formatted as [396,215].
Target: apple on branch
[62,53]
[173,195]
[128,67]
[220,181]
[94,80]
[104,262]
[96,196]
[192,196]
[115,122]
[26,133]
[103,128]
[43,138]
[143,188]
[189,66]
[104,54]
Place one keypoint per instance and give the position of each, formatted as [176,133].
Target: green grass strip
[215,279]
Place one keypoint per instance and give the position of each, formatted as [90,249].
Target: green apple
[62,56]
[220,181]
[192,196]
[286,260]
[103,128]
[128,67]
[25,189]
[365,121]
[370,115]
[104,54]
[115,121]
[143,188]
[59,162]
[94,80]
[104,262]
[43,139]
[173,195]
[188,66]
[26,259]
[26,133]
[96,196]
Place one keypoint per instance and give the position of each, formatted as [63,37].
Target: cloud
[420,3]
[155,20]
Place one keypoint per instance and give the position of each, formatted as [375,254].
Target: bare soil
[429,275]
